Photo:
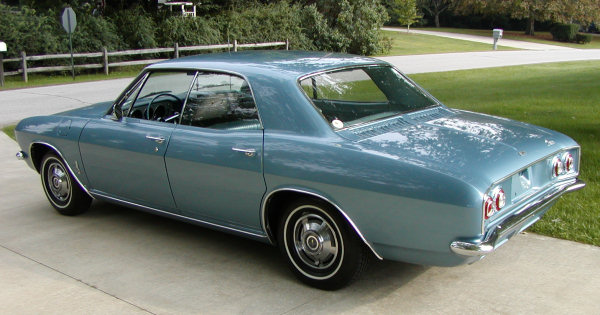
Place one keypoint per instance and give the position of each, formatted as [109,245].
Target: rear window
[356,96]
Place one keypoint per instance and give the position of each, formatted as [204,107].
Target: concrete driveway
[117,260]
[114,260]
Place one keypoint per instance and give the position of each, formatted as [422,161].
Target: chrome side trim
[177,216]
[352,224]
[514,224]
[66,163]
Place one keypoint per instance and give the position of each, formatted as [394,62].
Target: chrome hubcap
[315,241]
[58,182]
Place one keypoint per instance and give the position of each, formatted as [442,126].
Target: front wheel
[60,187]
[319,245]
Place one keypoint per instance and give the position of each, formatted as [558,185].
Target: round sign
[68,20]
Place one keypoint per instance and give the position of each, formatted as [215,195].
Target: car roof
[279,63]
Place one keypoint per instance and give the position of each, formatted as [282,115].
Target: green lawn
[540,37]
[560,96]
[38,79]
[417,44]
[10,131]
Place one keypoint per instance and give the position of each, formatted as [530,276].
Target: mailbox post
[2,50]
[497,35]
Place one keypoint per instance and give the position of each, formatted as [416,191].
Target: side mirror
[117,112]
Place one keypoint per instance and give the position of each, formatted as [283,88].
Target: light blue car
[335,158]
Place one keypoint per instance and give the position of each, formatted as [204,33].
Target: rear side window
[221,101]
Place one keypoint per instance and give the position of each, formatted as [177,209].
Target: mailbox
[2,47]
[497,35]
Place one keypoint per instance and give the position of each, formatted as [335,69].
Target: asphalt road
[117,260]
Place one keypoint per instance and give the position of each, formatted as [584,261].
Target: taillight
[557,167]
[567,160]
[499,198]
[488,207]
[494,203]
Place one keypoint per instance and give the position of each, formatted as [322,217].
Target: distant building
[187,8]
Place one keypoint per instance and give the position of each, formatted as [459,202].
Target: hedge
[349,26]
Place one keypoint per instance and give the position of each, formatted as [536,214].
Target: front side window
[220,101]
[162,96]
[355,96]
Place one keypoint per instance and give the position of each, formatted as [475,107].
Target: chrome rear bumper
[522,219]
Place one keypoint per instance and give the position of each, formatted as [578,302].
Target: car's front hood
[470,146]
[93,111]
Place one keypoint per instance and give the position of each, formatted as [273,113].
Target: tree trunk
[437,19]
[530,25]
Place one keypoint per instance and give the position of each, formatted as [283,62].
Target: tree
[567,11]
[435,8]
[583,12]
[406,11]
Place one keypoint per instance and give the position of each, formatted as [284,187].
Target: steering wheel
[157,96]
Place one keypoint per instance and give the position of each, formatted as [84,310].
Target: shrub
[136,28]
[26,30]
[93,33]
[583,38]
[360,21]
[320,34]
[188,31]
[564,32]
[264,23]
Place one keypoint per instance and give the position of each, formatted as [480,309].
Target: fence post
[287,44]
[176,50]
[24,65]
[105,60]
[235,45]
[1,69]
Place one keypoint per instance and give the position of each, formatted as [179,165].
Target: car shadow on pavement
[161,253]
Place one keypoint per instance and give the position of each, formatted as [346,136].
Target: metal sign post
[69,22]
[2,49]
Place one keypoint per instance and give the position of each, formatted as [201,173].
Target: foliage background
[345,26]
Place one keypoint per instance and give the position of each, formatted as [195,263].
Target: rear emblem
[521,153]
[524,179]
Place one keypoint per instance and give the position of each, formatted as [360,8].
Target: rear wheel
[319,245]
[63,192]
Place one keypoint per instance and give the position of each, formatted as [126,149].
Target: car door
[214,159]
[124,158]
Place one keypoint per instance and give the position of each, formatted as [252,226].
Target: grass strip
[10,131]
[404,43]
[40,79]
[540,37]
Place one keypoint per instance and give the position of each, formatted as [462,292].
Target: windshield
[355,96]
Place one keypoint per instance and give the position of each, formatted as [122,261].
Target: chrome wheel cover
[58,182]
[315,241]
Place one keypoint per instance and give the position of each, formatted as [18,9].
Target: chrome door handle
[157,139]
[247,152]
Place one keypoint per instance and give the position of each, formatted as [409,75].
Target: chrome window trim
[352,224]
[64,160]
[177,216]
[198,70]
